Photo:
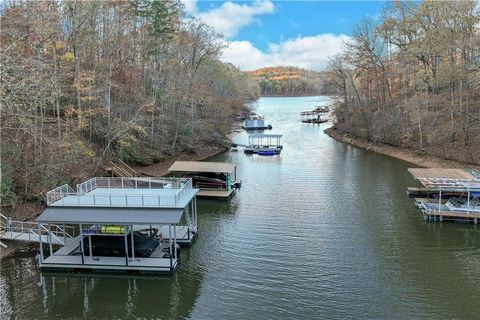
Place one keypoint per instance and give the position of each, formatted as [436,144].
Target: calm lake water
[324,231]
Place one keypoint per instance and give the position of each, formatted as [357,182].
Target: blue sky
[269,33]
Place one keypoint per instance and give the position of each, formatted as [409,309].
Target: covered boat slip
[117,226]
[456,194]
[214,179]
[264,144]
[257,123]
[313,117]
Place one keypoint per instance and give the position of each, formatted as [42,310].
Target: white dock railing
[87,186]
[105,198]
[59,193]
[30,232]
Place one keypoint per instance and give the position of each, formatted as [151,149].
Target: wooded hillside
[412,79]
[291,81]
[83,81]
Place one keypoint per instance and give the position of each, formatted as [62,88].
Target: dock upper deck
[126,193]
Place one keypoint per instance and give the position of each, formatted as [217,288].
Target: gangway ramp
[29,231]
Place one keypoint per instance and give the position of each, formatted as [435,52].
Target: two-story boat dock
[124,224]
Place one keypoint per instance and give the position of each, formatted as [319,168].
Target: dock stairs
[119,168]
[29,231]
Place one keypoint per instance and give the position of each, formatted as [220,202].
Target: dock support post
[81,244]
[50,239]
[133,249]
[468,199]
[195,210]
[41,243]
[126,245]
[440,199]
[175,241]
[90,245]
[170,244]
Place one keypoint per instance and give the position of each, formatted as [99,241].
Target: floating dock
[216,194]
[216,180]
[441,212]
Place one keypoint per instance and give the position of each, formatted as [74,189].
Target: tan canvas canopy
[445,179]
[441,173]
[201,166]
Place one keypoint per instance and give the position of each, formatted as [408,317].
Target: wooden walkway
[453,214]
[215,194]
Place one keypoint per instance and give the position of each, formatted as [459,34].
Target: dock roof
[118,216]
[264,135]
[441,173]
[201,166]
[446,179]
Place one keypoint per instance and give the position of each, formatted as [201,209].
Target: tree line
[85,81]
[412,79]
[291,81]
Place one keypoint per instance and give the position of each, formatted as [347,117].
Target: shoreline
[404,154]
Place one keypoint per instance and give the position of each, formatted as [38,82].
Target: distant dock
[447,194]
[215,180]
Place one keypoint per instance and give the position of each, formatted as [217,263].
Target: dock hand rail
[23,230]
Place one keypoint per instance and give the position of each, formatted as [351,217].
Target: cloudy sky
[270,33]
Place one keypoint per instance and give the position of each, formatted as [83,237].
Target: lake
[323,231]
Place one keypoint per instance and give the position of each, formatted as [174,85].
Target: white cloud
[310,52]
[190,6]
[230,17]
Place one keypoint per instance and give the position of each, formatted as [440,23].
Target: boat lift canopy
[456,180]
[262,139]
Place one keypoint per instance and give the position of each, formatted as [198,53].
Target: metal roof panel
[127,216]
[201,166]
